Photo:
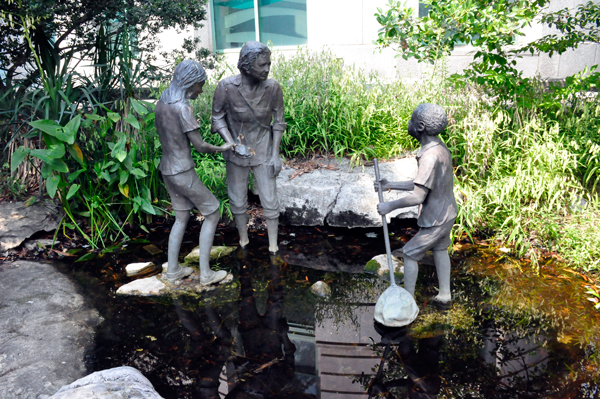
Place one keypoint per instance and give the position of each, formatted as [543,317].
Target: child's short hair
[433,117]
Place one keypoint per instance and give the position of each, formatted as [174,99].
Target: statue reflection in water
[258,355]
[421,366]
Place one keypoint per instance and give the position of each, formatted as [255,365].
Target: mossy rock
[216,252]
[378,265]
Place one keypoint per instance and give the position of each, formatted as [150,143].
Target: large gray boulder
[46,329]
[19,222]
[339,195]
[118,383]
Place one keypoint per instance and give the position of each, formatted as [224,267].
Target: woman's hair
[249,53]
[433,117]
[187,74]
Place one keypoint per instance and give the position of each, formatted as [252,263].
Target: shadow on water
[508,334]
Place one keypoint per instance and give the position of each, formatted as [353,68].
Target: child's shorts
[435,238]
[186,191]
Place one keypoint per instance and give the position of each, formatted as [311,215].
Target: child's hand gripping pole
[386,235]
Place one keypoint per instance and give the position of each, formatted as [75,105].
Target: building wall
[348,28]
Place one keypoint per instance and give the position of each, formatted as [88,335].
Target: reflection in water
[210,343]
[259,361]
[420,367]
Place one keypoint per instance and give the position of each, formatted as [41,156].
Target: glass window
[234,23]
[283,22]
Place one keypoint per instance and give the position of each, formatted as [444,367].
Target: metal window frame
[256,28]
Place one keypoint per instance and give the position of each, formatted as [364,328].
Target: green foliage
[72,26]
[493,28]
[101,168]
[340,110]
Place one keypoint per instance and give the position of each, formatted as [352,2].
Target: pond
[508,334]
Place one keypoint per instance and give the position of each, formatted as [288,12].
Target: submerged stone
[379,265]
[120,382]
[216,252]
[135,269]
[321,289]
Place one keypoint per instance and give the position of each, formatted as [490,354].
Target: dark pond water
[508,334]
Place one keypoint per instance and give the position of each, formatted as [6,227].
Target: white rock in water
[120,382]
[134,269]
[396,307]
[215,253]
[321,289]
[150,286]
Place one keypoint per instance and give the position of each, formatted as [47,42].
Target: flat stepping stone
[150,286]
[136,269]
[160,286]
[216,252]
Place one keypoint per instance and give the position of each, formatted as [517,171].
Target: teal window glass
[234,23]
[282,22]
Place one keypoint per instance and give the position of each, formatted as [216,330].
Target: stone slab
[19,222]
[340,195]
[46,328]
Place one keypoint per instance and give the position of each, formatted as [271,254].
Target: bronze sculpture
[177,127]
[248,112]
[432,188]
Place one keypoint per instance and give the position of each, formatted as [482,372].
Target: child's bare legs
[442,267]
[174,271]
[241,222]
[411,272]
[207,235]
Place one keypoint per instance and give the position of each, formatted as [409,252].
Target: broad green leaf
[50,154]
[124,190]
[94,117]
[72,190]
[46,170]
[52,185]
[54,129]
[75,174]
[72,127]
[107,165]
[138,107]
[123,176]
[114,116]
[58,165]
[17,157]
[119,150]
[48,126]
[132,121]
[138,172]
[147,207]
[76,153]
[146,194]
